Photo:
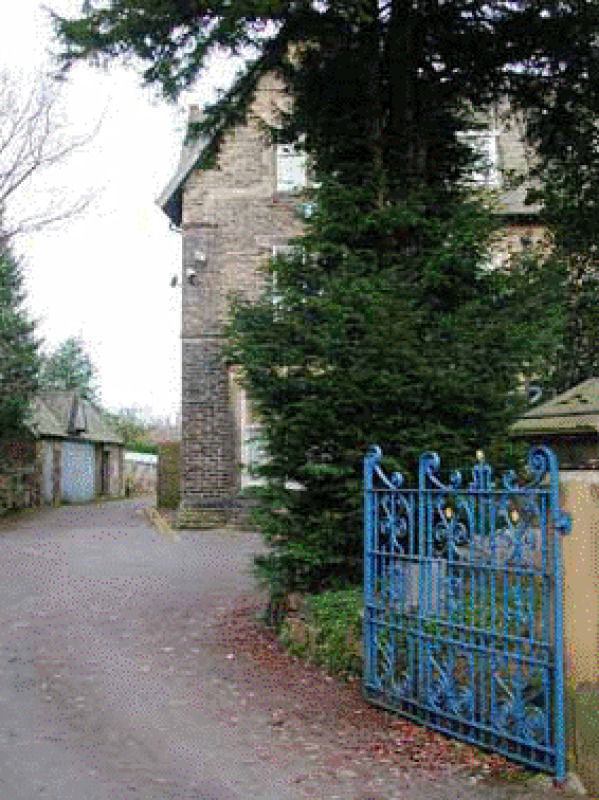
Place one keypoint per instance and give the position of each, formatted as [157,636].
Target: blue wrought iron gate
[463,604]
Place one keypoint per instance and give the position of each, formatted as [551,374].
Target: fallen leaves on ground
[315,710]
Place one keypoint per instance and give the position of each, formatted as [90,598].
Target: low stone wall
[19,474]
[169,475]
[19,488]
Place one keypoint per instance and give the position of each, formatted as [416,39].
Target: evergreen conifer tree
[569,179]
[18,347]
[387,324]
[367,344]
[69,366]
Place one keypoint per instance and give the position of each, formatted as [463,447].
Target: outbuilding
[569,424]
[79,452]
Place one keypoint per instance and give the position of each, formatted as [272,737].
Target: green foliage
[569,174]
[563,128]
[368,340]
[19,357]
[387,325]
[577,357]
[70,366]
[385,78]
[562,291]
[330,633]
[135,431]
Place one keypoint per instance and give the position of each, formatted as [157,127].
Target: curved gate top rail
[463,604]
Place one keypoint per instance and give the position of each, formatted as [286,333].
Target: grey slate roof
[170,199]
[64,414]
[574,411]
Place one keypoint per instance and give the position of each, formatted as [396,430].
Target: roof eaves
[170,200]
[46,419]
[574,411]
[556,426]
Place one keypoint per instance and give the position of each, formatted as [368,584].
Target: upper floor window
[486,168]
[291,168]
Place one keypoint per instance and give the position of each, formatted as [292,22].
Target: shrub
[328,631]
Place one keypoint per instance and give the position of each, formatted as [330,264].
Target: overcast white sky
[106,276]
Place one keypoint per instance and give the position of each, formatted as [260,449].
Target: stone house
[67,452]
[508,162]
[232,219]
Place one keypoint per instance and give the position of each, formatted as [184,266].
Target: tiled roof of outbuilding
[65,414]
[574,411]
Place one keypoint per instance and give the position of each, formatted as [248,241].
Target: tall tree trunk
[376,50]
[401,92]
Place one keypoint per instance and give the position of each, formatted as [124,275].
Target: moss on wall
[169,475]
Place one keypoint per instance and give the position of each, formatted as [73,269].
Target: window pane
[291,169]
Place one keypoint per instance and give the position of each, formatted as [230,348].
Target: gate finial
[429,465]
[542,462]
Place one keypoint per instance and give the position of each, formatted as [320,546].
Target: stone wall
[580,497]
[19,474]
[109,479]
[232,219]
[169,475]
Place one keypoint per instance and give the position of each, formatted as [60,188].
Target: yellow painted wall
[580,497]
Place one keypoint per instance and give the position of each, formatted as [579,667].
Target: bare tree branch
[33,141]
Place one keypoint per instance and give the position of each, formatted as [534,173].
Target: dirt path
[132,667]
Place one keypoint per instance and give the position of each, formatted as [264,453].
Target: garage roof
[66,414]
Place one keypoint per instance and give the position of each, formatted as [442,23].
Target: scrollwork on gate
[517,717]
[450,687]
[396,522]
[462,614]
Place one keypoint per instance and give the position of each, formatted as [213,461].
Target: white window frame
[485,144]
[291,169]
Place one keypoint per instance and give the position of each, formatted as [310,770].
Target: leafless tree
[33,141]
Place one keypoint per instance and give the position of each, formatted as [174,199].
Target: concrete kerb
[223,530]
[161,524]
[167,524]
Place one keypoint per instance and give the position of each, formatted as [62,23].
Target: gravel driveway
[132,667]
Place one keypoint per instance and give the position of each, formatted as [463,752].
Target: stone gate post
[569,424]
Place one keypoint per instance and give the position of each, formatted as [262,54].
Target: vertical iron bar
[518,606]
[483,631]
[546,570]
[562,525]
[370,460]
[560,722]
[493,621]
[422,537]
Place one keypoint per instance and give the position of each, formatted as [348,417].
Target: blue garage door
[78,471]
